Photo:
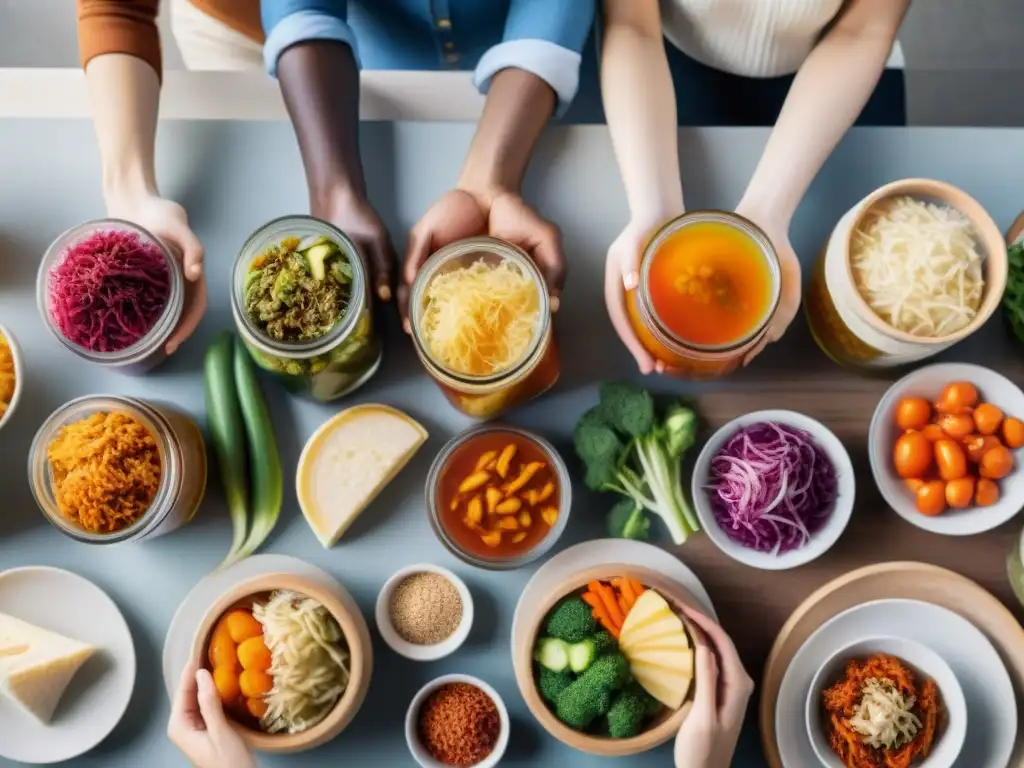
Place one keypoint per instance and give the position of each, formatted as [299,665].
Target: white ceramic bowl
[822,540]
[412,738]
[411,650]
[19,374]
[920,658]
[928,382]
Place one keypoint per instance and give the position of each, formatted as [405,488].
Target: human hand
[354,216]
[621,274]
[708,736]
[199,727]
[167,220]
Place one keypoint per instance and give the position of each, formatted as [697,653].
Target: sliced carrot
[600,613]
[638,588]
[626,588]
[591,599]
[604,592]
[623,604]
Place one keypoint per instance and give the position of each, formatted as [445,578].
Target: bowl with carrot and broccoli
[606,663]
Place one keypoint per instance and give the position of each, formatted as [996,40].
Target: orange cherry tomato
[957,426]
[913,413]
[912,455]
[960,492]
[1013,433]
[957,397]
[987,418]
[931,498]
[950,459]
[227,684]
[913,483]
[257,707]
[978,445]
[933,432]
[996,463]
[242,626]
[254,654]
[222,648]
[986,493]
[254,683]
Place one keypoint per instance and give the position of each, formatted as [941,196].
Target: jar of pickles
[710,283]
[481,324]
[302,305]
[106,469]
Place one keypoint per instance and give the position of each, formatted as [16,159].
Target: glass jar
[686,359]
[335,364]
[1015,568]
[182,462]
[147,352]
[487,397]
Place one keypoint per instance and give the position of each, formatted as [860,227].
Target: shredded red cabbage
[771,487]
[109,290]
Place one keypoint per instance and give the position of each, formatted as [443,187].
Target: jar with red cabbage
[112,293]
[302,305]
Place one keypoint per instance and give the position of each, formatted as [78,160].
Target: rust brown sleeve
[119,26]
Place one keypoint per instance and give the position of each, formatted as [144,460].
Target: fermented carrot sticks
[600,613]
[604,592]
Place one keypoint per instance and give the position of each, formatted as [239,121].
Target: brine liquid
[710,285]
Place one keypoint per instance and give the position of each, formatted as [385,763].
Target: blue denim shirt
[545,37]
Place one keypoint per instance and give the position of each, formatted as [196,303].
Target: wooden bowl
[357,637]
[662,728]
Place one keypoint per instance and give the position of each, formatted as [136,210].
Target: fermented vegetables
[481,319]
[918,267]
[7,380]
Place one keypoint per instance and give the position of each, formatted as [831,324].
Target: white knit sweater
[755,38]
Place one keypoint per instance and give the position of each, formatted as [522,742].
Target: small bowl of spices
[424,612]
[457,720]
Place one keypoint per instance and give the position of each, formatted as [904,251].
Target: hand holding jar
[199,727]
[357,218]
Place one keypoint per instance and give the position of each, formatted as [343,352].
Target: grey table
[232,177]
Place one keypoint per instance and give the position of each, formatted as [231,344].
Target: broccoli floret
[603,641]
[679,430]
[609,671]
[627,520]
[582,702]
[571,621]
[627,714]
[551,684]
[627,408]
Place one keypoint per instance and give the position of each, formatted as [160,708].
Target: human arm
[199,727]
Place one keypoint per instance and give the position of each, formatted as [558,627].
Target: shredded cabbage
[884,716]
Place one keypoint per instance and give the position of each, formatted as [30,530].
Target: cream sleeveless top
[754,38]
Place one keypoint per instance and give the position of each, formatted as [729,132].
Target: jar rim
[740,224]
[155,338]
[299,225]
[41,481]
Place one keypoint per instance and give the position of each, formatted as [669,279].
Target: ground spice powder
[425,608]
[459,724]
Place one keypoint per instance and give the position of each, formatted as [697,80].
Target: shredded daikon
[918,267]
[309,661]
[481,319]
[883,715]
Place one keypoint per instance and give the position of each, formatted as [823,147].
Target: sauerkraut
[884,715]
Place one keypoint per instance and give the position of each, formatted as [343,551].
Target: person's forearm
[827,95]
[640,107]
[124,92]
[517,108]
[320,84]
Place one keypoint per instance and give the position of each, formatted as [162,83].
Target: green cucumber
[552,653]
[317,257]
[581,654]
[227,432]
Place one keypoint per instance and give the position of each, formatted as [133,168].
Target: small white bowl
[19,374]
[411,650]
[922,660]
[412,737]
[928,383]
[822,540]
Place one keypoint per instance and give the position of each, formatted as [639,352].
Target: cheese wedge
[36,665]
[348,461]
[654,641]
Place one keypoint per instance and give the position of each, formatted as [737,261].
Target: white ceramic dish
[423,652]
[99,693]
[987,688]
[928,382]
[822,540]
[920,658]
[412,738]
[19,374]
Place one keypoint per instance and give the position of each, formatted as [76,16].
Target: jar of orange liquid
[710,283]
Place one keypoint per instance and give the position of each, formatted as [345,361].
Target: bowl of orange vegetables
[945,447]
[273,639]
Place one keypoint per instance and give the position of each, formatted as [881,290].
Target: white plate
[601,551]
[181,632]
[822,540]
[992,707]
[928,382]
[99,693]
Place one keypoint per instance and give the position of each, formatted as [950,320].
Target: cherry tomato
[933,432]
[1013,433]
[226,681]
[960,492]
[987,418]
[950,459]
[254,683]
[957,426]
[242,626]
[913,483]
[987,492]
[257,707]
[912,455]
[958,397]
[222,648]
[913,413]
[931,498]
[996,463]
[978,445]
